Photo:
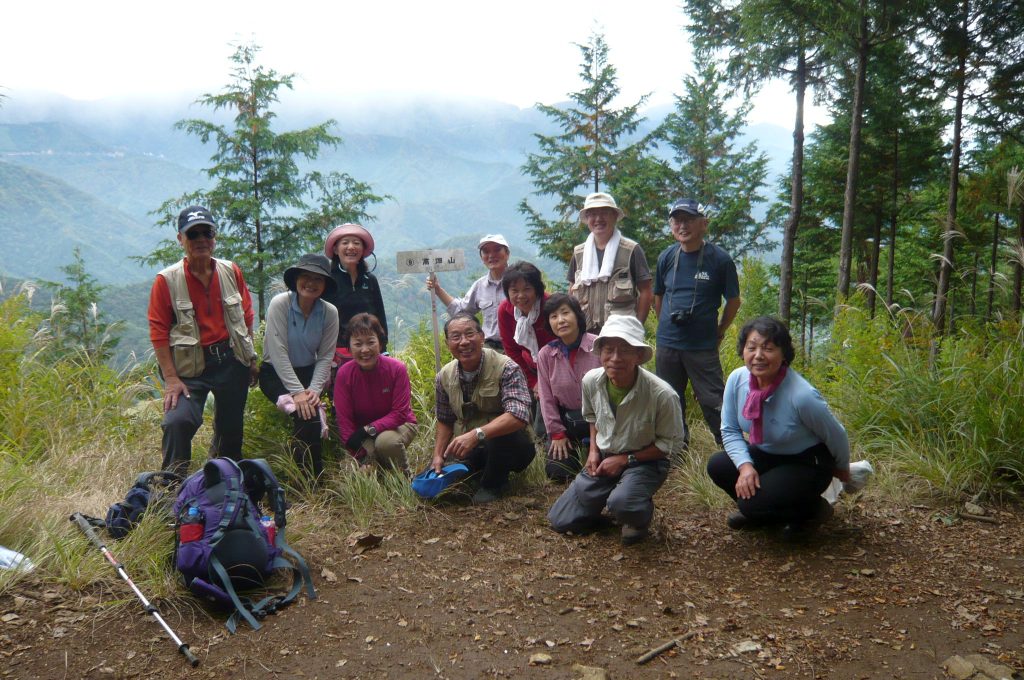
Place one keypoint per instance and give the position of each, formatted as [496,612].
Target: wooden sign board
[429,262]
[426,261]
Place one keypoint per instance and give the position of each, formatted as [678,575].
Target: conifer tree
[762,40]
[76,324]
[703,136]
[269,212]
[592,153]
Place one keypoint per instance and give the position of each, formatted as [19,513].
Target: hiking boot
[737,521]
[483,496]
[632,535]
[796,531]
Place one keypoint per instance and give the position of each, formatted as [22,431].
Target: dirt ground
[456,591]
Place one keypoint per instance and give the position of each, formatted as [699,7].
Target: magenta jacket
[560,383]
[381,397]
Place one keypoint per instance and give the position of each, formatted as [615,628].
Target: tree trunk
[876,248]
[946,264]
[992,269]
[974,283]
[890,273]
[803,319]
[796,201]
[853,167]
[810,341]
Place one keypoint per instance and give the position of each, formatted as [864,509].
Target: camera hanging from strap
[693,301]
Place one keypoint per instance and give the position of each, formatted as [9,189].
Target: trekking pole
[87,529]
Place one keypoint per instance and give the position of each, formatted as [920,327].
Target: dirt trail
[464,592]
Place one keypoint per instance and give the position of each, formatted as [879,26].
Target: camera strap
[696,282]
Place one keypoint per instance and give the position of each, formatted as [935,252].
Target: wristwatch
[371,430]
[480,434]
[631,461]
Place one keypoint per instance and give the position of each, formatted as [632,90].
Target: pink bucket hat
[348,230]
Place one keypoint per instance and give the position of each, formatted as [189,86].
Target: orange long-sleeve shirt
[209,308]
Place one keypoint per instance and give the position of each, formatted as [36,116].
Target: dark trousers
[228,380]
[791,486]
[495,459]
[701,368]
[306,444]
[565,469]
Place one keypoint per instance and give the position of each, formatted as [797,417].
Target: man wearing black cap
[691,280]
[200,324]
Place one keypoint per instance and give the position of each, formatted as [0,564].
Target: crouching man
[635,424]
[483,408]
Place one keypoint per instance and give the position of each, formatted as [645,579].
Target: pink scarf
[753,409]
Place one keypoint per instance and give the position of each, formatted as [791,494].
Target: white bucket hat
[600,201]
[629,329]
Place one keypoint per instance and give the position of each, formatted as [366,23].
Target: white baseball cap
[493,238]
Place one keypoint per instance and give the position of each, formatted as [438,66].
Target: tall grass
[74,434]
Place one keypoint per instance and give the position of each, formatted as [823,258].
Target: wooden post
[437,337]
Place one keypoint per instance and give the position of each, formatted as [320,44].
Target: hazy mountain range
[86,173]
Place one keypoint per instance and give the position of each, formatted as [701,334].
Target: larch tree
[711,167]
[269,211]
[595,151]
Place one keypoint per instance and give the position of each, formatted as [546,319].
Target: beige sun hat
[627,328]
[600,200]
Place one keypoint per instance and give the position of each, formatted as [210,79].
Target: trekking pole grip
[87,529]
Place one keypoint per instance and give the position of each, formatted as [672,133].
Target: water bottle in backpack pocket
[225,547]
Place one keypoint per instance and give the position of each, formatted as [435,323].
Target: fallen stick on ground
[978,518]
[664,648]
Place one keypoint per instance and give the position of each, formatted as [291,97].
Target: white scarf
[525,335]
[588,270]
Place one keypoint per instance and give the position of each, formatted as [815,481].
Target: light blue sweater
[795,418]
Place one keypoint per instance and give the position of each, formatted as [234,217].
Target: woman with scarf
[561,365]
[796,445]
[521,324]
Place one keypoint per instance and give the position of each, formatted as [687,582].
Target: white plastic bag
[860,472]
[9,559]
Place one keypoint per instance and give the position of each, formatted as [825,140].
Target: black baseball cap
[688,205]
[192,216]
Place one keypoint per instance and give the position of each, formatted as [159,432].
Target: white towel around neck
[525,335]
[589,273]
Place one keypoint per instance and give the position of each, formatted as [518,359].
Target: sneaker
[737,521]
[632,535]
[483,496]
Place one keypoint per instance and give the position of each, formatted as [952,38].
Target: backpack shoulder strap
[260,480]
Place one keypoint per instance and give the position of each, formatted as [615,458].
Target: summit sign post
[430,262]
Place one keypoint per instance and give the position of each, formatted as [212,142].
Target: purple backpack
[222,548]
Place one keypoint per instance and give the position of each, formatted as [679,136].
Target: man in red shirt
[200,324]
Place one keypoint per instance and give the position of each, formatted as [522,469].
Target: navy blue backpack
[151,489]
[222,548]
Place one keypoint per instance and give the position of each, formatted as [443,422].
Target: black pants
[791,486]
[565,469]
[228,379]
[495,459]
[306,444]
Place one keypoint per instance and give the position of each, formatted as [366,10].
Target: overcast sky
[519,52]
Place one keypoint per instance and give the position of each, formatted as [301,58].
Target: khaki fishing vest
[486,404]
[186,345]
[617,295]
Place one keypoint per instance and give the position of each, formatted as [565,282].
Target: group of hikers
[567,366]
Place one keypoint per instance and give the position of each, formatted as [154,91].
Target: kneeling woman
[796,444]
[298,348]
[561,365]
[373,399]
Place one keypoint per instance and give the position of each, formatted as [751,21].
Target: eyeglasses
[193,234]
[468,335]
